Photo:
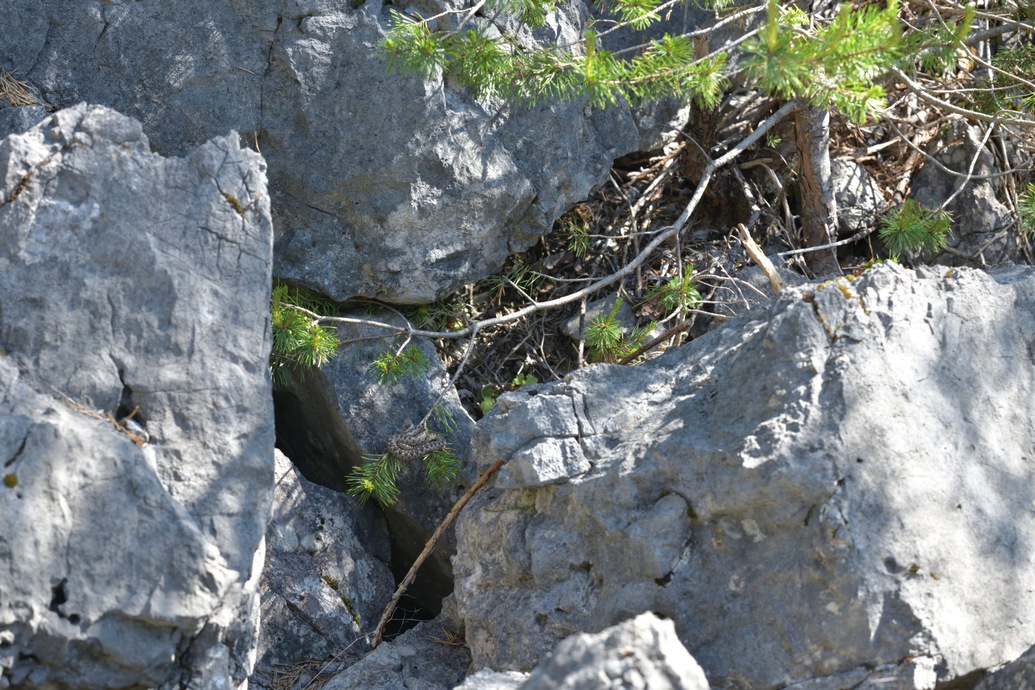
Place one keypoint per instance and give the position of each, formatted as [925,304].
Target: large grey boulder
[132,284]
[383,185]
[325,582]
[840,485]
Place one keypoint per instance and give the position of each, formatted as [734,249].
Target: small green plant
[604,335]
[521,275]
[487,398]
[375,478]
[607,340]
[444,315]
[578,238]
[488,394]
[525,277]
[300,342]
[524,380]
[913,229]
[408,363]
[678,293]
[1026,211]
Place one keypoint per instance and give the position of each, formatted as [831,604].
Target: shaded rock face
[131,284]
[823,489]
[325,582]
[980,221]
[421,658]
[328,420]
[383,186]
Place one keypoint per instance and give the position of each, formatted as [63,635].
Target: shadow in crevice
[311,432]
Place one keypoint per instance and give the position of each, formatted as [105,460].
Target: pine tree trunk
[818,208]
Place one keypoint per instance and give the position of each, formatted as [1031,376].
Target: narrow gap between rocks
[311,434]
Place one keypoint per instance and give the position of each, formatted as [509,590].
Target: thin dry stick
[654,342]
[759,257]
[428,548]
[922,93]
[666,234]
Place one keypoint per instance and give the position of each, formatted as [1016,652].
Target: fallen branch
[759,257]
[428,548]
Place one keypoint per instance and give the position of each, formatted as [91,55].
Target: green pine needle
[375,478]
[678,293]
[300,341]
[1026,211]
[607,341]
[604,335]
[914,229]
[440,467]
[392,367]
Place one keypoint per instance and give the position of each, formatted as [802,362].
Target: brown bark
[818,208]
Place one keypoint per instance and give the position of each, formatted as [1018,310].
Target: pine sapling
[913,229]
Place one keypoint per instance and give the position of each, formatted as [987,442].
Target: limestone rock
[859,199]
[138,285]
[422,658]
[325,582]
[383,185]
[980,221]
[486,679]
[640,654]
[830,486]
[1016,675]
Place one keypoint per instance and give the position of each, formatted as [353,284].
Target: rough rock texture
[383,185]
[422,658]
[642,652]
[979,220]
[838,485]
[333,417]
[131,282]
[1016,675]
[486,679]
[859,199]
[325,582]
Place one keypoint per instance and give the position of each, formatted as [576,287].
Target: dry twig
[428,548]
[15,92]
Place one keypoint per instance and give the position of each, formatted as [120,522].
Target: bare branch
[666,234]
[428,548]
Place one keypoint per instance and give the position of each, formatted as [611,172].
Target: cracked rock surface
[132,285]
[326,578]
[836,488]
[382,185]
